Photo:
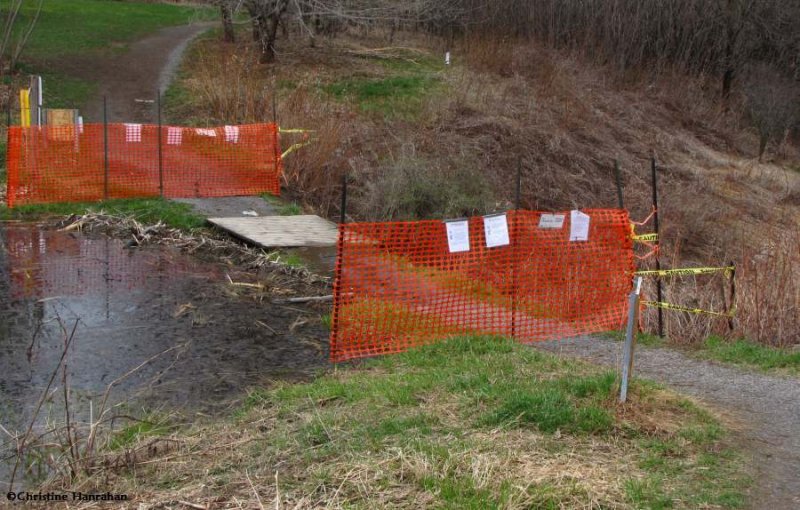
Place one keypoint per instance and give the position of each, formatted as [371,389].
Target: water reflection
[133,304]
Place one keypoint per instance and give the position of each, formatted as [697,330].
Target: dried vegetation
[505,104]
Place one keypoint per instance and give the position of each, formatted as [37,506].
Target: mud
[131,304]
[765,409]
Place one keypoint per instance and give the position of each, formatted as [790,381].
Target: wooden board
[281,231]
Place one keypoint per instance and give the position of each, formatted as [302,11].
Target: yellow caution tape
[297,130]
[686,271]
[294,147]
[645,237]
[670,306]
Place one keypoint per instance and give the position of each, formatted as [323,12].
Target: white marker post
[630,339]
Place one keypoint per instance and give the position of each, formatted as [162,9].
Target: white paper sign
[578,226]
[496,229]
[232,134]
[133,132]
[551,220]
[458,235]
[174,135]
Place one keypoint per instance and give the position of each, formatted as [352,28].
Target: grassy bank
[145,210]
[744,353]
[470,423]
[81,26]
[89,27]
[739,352]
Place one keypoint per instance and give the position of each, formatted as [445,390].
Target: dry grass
[503,103]
[397,434]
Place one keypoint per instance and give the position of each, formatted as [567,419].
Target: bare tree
[14,37]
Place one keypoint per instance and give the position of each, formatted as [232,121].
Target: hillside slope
[422,139]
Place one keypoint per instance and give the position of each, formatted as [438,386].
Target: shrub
[413,188]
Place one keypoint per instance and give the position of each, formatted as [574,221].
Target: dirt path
[767,407]
[145,68]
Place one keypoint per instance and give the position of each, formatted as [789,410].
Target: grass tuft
[743,352]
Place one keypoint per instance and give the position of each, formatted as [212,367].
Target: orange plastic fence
[398,285]
[68,163]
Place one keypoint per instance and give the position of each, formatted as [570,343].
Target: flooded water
[201,344]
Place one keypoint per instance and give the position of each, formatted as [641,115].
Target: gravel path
[768,408]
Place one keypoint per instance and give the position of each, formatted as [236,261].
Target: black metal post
[105,147]
[519,184]
[343,218]
[618,178]
[659,290]
[160,149]
[274,105]
[514,292]
[732,299]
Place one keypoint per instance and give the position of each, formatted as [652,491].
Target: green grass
[642,338]
[134,433]
[282,207]
[750,354]
[470,422]
[707,471]
[89,28]
[149,210]
[71,27]
[739,352]
[422,422]
[395,96]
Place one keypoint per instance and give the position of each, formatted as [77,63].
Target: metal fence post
[658,259]
[160,149]
[630,339]
[618,179]
[105,148]
[514,267]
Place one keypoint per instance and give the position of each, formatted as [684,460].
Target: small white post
[447,58]
[630,339]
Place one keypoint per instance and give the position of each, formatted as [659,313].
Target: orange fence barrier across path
[88,163]
[523,274]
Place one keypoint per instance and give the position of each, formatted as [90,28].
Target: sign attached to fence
[551,221]
[578,226]
[457,235]
[496,229]
[95,162]
[410,289]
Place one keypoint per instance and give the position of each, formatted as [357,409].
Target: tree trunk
[268,27]
[229,35]
[268,32]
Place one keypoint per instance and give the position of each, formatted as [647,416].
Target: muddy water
[131,305]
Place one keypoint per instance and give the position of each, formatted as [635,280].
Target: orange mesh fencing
[68,163]
[398,285]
